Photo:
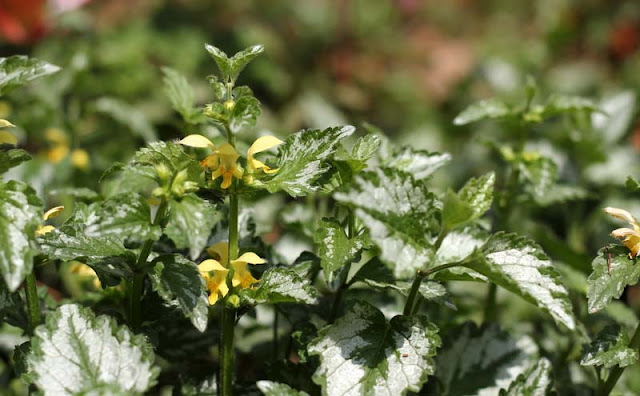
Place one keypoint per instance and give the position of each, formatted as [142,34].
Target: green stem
[490,305]
[226,351]
[616,372]
[413,298]
[344,272]
[33,304]
[135,297]
[275,333]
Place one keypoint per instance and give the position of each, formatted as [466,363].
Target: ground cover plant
[202,251]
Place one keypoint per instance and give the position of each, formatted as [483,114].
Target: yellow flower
[80,159]
[241,275]
[59,145]
[6,137]
[630,237]
[215,276]
[84,271]
[262,144]
[51,213]
[223,160]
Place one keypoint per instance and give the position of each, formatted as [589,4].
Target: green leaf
[419,163]
[231,68]
[106,255]
[363,354]
[471,202]
[303,158]
[632,184]
[77,352]
[610,348]
[20,215]
[126,114]
[399,218]
[538,174]
[190,222]
[605,285]
[179,283]
[181,95]
[557,194]
[616,116]
[10,303]
[520,266]
[335,249]
[241,59]
[564,104]
[270,388]
[536,381]
[483,110]
[125,216]
[18,70]
[172,156]
[12,157]
[481,361]
[284,285]
[245,113]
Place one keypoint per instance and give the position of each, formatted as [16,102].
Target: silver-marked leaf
[181,95]
[484,110]
[18,70]
[470,203]
[76,352]
[125,216]
[245,113]
[610,348]
[363,354]
[106,255]
[419,163]
[605,284]
[222,60]
[536,381]
[616,116]
[11,158]
[130,116]
[20,215]
[520,266]
[270,388]
[480,361]
[399,212]
[538,175]
[284,285]
[430,291]
[563,104]
[170,155]
[302,159]
[335,249]
[179,283]
[241,59]
[190,222]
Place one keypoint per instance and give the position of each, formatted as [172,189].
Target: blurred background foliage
[406,66]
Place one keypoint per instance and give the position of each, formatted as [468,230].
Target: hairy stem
[33,304]
[616,372]
[135,297]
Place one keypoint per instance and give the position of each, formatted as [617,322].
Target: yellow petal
[44,229]
[7,138]
[5,123]
[80,158]
[250,258]
[57,153]
[263,143]
[237,172]
[227,150]
[223,289]
[226,180]
[220,251]
[196,141]
[213,298]
[217,173]
[621,214]
[53,212]
[56,136]
[211,265]
[269,171]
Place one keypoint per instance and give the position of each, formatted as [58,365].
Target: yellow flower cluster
[214,271]
[60,149]
[630,236]
[223,160]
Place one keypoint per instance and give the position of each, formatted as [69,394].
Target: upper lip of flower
[223,160]
[630,237]
[51,213]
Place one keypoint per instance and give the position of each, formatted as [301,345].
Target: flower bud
[233,301]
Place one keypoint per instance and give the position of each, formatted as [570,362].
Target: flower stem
[135,297]
[229,314]
[226,351]
[616,372]
[33,304]
[490,304]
